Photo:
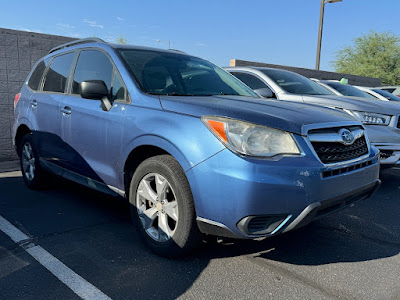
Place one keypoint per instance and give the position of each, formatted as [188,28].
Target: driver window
[118,88]
[92,65]
[251,81]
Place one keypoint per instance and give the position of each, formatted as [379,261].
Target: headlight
[370,118]
[250,139]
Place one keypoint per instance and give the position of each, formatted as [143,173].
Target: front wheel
[162,207]
[34,176]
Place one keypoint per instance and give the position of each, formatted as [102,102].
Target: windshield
[348,90]
[294,83]
[387,95]
[176,74]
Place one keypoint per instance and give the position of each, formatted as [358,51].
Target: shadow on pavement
[91,233]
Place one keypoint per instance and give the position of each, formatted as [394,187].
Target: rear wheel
[34,176]
[162,207]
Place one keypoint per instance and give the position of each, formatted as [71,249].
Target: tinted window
[348,90]
[294,83]
[57,74]
[251,81]
[37,74]
[118,88]
[175,74]
[92,65]
[387,95]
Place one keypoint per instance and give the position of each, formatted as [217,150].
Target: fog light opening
[262,225]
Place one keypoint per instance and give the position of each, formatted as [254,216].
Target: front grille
[330,153]
[339,171]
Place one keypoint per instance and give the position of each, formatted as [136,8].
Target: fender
[160,142]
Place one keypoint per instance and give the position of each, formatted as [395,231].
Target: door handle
[34,103]
[66,110]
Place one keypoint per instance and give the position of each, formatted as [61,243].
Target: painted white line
[76,283]
[13,232]
[80,286]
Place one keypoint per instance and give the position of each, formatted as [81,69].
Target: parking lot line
[76,283]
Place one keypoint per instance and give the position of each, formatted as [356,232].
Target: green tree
[121,39]
[374,55]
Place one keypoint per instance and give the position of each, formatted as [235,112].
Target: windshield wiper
[178,94]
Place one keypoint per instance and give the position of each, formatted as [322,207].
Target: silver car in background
[381,119]
[341,89]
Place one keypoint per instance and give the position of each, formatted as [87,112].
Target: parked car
[395,89]
[381,119]
[193,149]
[379,94]
[340,89]
[356,91]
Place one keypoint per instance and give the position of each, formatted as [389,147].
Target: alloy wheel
[28,161]
[157,207]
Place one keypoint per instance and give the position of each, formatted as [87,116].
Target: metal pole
[321,23]
[169,44]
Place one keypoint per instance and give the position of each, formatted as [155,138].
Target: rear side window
[92,65]
[250,80]
[37,74]
[57,75]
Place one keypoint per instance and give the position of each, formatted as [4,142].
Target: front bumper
[390,153]
[229,190]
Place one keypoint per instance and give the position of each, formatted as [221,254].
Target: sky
[271,31]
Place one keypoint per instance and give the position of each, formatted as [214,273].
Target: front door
[92,134]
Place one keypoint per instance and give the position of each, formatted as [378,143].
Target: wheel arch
[22,130]
[148,146]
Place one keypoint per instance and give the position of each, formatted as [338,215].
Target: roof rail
[77,42]
[176,50]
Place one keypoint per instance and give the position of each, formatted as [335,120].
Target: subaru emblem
[347,136]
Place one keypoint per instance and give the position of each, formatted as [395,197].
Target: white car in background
[379,94]
[394,89]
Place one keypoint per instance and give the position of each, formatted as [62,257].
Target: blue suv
[193,149]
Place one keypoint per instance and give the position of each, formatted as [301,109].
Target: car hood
[278,114]
[354,103]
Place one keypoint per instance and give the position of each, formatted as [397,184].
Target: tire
[33,174]
[154,208]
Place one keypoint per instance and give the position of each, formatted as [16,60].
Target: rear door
[46,105]
[92,134]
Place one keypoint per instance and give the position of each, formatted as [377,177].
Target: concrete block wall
[311,73]
[19,51]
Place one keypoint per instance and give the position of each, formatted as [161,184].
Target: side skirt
[83,180]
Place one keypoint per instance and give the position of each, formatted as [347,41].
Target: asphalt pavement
[353,254]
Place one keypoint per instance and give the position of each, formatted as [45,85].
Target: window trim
[127,100]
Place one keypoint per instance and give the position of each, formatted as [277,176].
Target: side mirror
[265,93]
[96,90]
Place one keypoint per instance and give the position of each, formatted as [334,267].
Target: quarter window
[57,74]
[37,74]
[92,65]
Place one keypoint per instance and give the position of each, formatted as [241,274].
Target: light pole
[321,24]
[169,43]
